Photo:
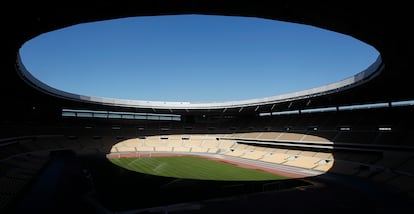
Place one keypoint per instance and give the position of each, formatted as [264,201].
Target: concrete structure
[375,145]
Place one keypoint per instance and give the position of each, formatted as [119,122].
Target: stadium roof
[385,81]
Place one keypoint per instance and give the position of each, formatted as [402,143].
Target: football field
[191,167]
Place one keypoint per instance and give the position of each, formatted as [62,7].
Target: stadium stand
[363,157]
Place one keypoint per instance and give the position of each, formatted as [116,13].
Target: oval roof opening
[192,58]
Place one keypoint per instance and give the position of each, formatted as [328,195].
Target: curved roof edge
[357,79]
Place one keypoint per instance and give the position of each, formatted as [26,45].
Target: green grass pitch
[190,167]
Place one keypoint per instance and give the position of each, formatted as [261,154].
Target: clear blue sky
[194,58]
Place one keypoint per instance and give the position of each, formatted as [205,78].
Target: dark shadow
[368,173]
[373,168]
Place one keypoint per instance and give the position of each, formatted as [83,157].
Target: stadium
[344,147]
